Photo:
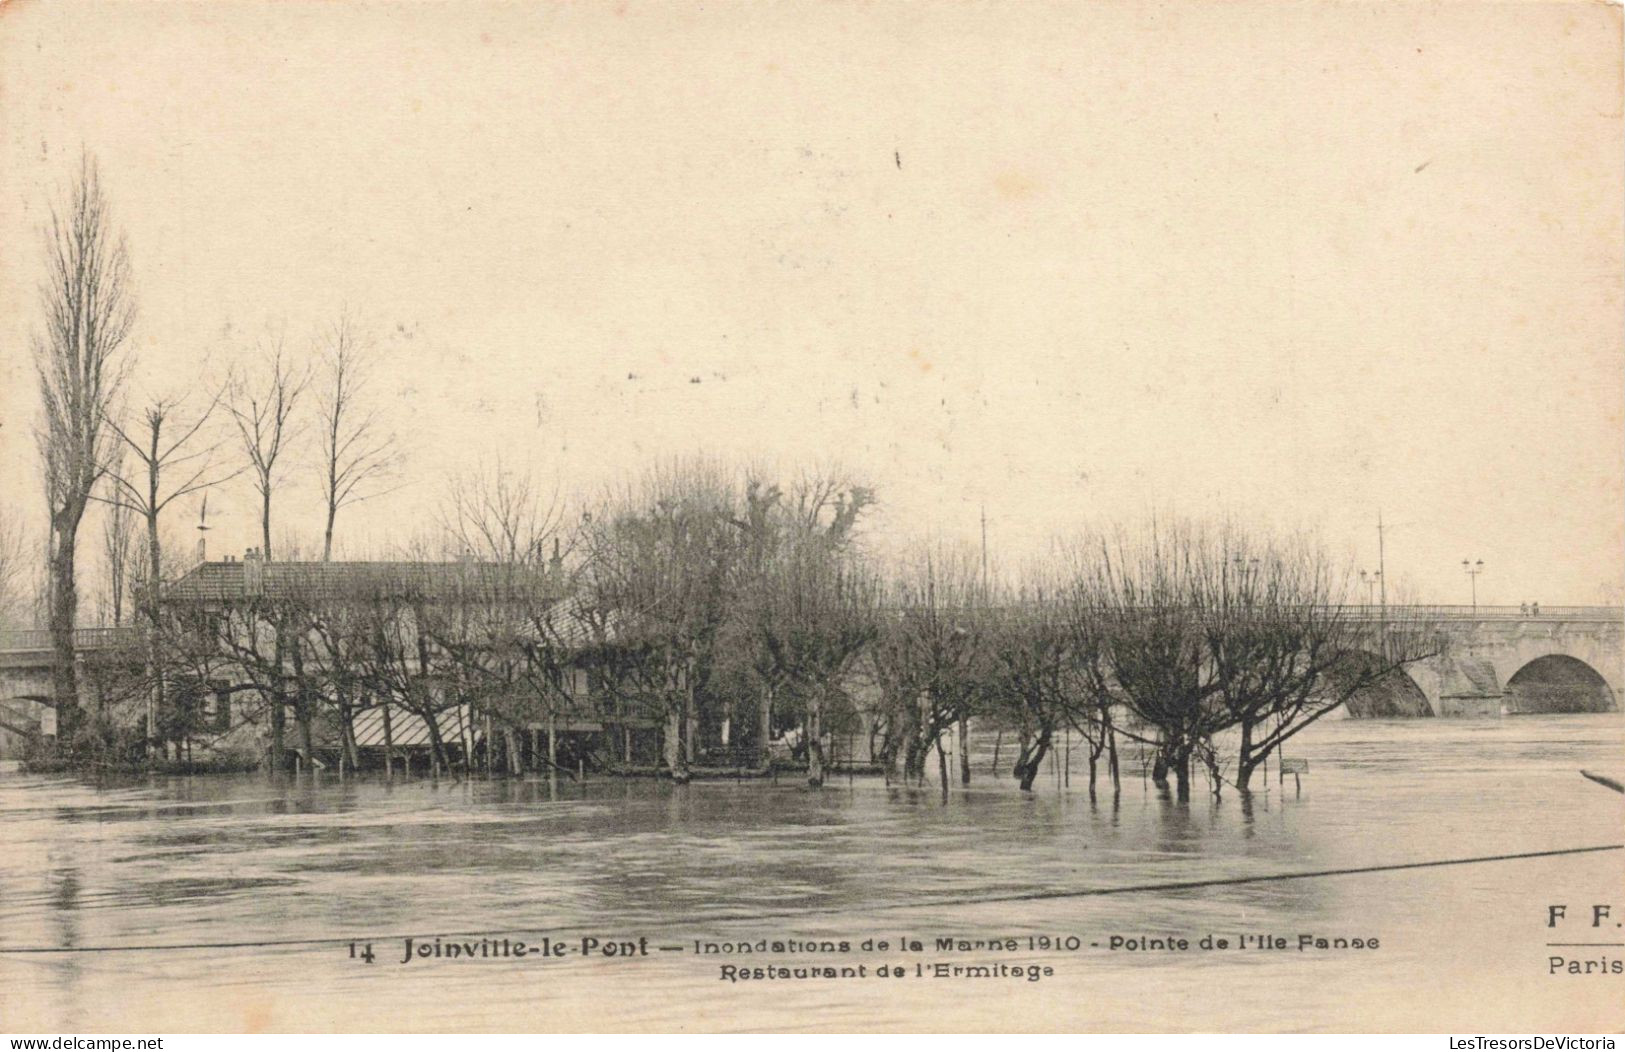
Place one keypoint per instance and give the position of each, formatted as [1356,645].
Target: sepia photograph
[811,516]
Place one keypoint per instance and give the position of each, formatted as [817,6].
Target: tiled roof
[230,581]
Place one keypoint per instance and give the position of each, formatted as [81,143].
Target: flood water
[192,863]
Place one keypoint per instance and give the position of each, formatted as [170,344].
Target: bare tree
[1032,681]
[358,452]
[13,561]
[263,408]
[1285,645]
[660,561]
[497,514]
[814,616]
[929,653]
[1136,608]
[170,461]
[89,309]
[118,554]
[1198,629]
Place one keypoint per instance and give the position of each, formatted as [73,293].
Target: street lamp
[1371,580]
[1246,571]
[1473,569]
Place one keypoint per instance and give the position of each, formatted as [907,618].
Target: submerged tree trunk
[437,744]
[964,750]
[302,704]
[815,739]
[346,714]
[1030,759]
[516,755]
[1244,758]
[1036,738]
[765,731]
[676,754]
[389,742]
[152,612]
[913,758]
[274,701]
[64,612]
[1180,765]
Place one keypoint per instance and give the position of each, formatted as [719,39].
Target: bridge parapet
[1374,612]
[98,638]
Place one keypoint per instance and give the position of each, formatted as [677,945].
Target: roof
[408,728]
[232,580]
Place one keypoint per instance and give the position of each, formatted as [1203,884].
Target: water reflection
[204,860]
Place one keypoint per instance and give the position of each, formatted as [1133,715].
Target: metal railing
[1489,613]
[103,638]
[116,636]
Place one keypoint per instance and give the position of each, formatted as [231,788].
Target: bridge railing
[116,636]
[102,638]
[1489,613]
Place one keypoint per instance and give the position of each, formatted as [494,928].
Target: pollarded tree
[1041,675]
[1136,604]
[659,566]
[813,617]
[798,564]
[929,652]
[1285,646]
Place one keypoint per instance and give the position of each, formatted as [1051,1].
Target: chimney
[253,572]
[555,565]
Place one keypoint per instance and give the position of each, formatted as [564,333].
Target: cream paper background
[1064,262]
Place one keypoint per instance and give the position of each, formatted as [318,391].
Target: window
[220,705]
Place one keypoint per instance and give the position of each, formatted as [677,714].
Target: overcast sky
[1297,262]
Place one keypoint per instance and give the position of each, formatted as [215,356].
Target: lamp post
[1371,580]
[1473,569]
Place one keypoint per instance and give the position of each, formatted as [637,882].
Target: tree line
[721,611]
[732,620]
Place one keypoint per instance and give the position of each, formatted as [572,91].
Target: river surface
[189,864]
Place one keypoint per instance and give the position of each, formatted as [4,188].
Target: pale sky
[1297,262]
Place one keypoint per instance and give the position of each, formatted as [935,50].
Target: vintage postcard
[1099,516]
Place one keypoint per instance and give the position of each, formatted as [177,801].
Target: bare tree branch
[263,407]
[359,454]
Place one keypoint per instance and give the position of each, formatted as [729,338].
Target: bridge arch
[1395,694]
[1557,683]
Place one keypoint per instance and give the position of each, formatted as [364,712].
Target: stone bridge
[1496,660]
[25,677]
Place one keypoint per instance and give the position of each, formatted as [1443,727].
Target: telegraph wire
[813,911]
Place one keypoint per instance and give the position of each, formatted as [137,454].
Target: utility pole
[1473,570]
[984,548]
[1382,587]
